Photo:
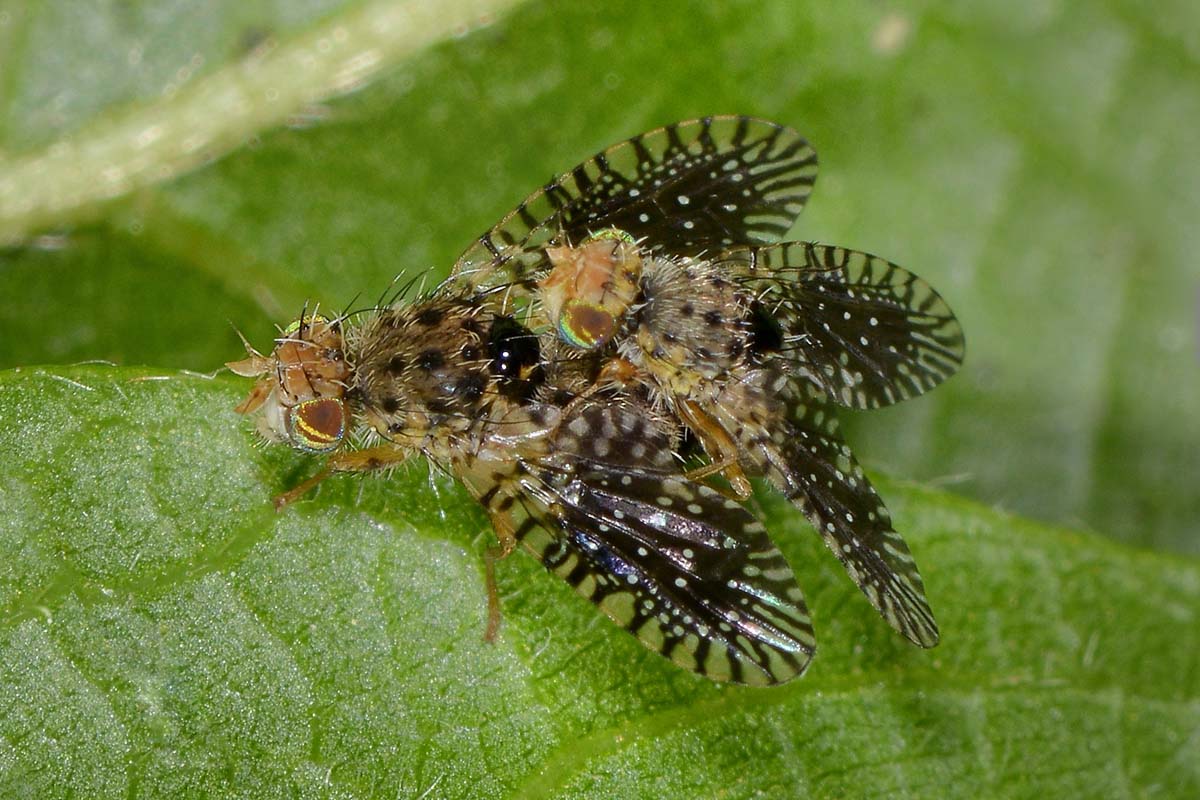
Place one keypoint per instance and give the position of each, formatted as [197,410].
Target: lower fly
[591,486]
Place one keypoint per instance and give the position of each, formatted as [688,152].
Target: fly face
[301,387]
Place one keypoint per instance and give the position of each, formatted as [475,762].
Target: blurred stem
[207,118]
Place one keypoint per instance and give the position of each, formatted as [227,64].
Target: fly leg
[508,542]
[372,458]
[616,373]
[719,445]
[702,473]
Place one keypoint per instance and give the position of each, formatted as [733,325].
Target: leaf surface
[166,633]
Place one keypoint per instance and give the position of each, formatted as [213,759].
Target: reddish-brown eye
[317,425]
[586,325]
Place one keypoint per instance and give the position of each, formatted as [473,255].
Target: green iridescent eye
[309,320]
[586,325]
[613,234]
[317,425]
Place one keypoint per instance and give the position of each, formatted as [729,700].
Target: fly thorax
[424,369]
[690,327]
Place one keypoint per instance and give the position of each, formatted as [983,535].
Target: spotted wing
[865,330]
[692,574]
[686,188]
[807,458]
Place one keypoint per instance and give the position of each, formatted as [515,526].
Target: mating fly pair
[630,331]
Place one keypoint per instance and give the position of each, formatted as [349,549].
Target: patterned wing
[692,574]
[866,331]
[699,185]
[805,455]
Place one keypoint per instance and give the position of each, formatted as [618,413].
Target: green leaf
[1034,162]
[165,633]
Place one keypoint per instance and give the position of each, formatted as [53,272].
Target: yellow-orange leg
[703,473]
[719,445]
[372,458]
[508,542]
[616,372]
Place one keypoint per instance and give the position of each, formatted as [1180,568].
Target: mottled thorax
[423,369]
[690,328]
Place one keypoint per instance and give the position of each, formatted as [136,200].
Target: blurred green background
[1034,161]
